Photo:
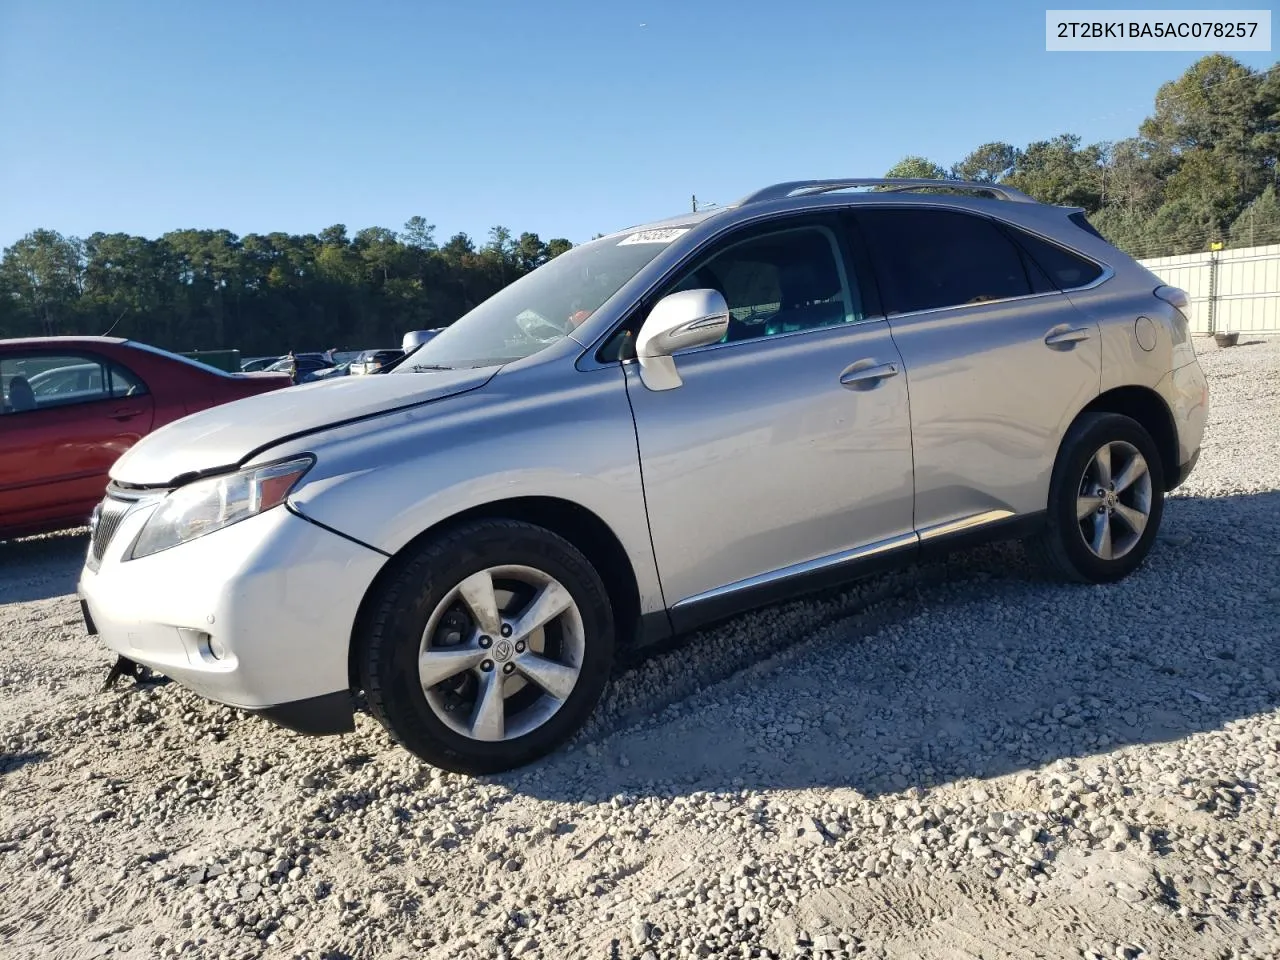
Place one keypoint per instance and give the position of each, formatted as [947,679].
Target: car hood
[225,436]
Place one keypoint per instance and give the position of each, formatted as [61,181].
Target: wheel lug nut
[506,629]
[508,668]
[486,666]
[520,646]
[485,642]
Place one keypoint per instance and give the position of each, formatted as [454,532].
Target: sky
[566,118]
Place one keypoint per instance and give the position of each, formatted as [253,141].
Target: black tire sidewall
[391,656]
[1086,438]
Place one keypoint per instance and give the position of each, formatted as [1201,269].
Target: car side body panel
[387,480]
[763,459]
[990,403]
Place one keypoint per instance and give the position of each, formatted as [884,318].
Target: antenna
[116,324]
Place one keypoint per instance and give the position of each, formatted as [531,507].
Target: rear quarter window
[1065,269]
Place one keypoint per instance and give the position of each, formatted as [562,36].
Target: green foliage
[1203,166]
[990,163]
[1259,223]
[916,168]
[1060,171]
[261,293]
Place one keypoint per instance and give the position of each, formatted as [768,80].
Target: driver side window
[775,279]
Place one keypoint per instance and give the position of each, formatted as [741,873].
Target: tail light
[1175,296]
[1179,299]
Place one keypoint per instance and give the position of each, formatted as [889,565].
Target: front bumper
[257,615]
[1184,471]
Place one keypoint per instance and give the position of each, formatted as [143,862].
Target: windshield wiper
[424,367]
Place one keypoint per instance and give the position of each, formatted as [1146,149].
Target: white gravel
[960,761]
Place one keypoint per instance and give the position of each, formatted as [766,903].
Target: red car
[72,405]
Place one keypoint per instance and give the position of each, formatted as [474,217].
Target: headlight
[208,505]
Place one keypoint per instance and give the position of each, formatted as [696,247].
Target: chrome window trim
[735,218]
[587,358]
[1107,274]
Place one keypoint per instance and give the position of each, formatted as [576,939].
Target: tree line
[260,293]
[1201,168]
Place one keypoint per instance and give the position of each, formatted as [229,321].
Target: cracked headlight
[204,506]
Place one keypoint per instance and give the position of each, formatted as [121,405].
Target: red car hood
[224,436]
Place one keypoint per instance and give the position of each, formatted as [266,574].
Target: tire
[1062,548]
[432,720]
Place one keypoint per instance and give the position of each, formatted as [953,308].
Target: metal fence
[1230,290]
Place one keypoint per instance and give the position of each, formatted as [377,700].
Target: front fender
[537,432]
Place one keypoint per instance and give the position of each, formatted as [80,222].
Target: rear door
[998,361]
[66,418]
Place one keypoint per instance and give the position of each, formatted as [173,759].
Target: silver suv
[655,430]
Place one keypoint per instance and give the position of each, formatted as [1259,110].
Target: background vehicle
[416,338]
[302,368]
[254,364]
[72,405]
[371,361]
[655,430]
[328,373]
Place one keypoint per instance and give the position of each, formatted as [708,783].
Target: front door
[787,449]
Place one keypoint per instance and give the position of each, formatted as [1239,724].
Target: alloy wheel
[1113,501]
[501,653]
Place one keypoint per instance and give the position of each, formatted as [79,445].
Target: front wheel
[488,647]
[1106,499]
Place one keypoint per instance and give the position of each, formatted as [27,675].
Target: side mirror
[679,321]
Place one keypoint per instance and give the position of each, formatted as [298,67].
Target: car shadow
[40,568]
[16,761]
[974,668]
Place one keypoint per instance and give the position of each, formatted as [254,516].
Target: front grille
[108,515]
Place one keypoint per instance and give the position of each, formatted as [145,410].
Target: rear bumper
[1186,392]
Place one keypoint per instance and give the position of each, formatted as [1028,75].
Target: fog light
[217,649]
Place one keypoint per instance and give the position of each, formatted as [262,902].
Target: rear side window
[1065,269]
[125,383]
[929,259]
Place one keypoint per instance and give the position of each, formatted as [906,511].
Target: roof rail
[806,188]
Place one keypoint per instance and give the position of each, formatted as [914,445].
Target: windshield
[542,307]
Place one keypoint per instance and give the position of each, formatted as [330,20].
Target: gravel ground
[960,761]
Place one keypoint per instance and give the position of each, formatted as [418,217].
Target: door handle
[124,414]
[1067,336]
[856,376]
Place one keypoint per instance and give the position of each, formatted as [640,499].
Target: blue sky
[562,117]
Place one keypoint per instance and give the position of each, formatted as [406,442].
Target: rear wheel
[1106,500]
[489,647]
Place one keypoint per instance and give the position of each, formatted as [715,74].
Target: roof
[61,341]
[801,193]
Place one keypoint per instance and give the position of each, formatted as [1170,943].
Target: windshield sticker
[654,236]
